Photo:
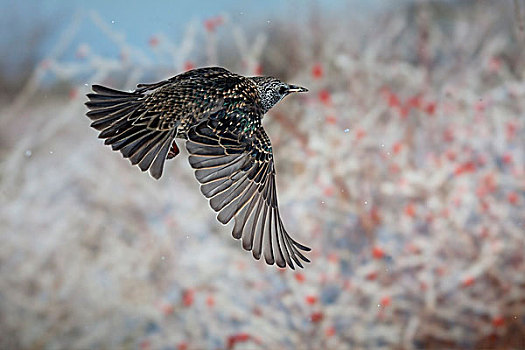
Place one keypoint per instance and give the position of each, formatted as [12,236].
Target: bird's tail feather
[123,124]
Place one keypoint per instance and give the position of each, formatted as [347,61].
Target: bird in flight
[218,113]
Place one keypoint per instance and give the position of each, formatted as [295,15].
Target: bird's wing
[191,95]
[143,124]
[125,123]
[237,175]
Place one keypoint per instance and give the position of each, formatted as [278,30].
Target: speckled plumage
[219,114]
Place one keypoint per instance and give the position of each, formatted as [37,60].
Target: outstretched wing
[127,124]
[143,124]
[237,175]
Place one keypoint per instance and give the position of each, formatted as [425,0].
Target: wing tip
[153,174]
[280,263]
[303,247]
[256,255]
[293,254]
[270,260]
[223,221]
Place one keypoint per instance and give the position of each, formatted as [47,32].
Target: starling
[218,113]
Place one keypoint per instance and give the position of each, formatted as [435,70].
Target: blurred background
[403,168]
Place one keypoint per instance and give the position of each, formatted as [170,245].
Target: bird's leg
[174,150]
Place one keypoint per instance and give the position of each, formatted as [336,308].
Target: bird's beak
[295,88]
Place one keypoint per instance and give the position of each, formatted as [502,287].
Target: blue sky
[138,20]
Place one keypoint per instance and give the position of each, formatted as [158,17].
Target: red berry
[299,277]
[467,167]
[410,210]
[209,25]
[507,158]
[316,316]
[237,338]
[360,133]
[404,111]
[430,108]
[371,275]
[396,148]
[330,331]
[311,299]
[188,297]
[513,198]
[329,191]
[153,41]
[393,100]
[414,102]
[468,281]
[498,321]
[317,71]
[188,65]
[212,23]
[331,119]
[325,97]
[385,301]
[378,252]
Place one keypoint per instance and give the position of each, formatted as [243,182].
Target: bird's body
[219,114]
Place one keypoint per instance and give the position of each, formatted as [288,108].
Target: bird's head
[272,90]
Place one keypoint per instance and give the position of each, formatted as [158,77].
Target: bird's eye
[282,90]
